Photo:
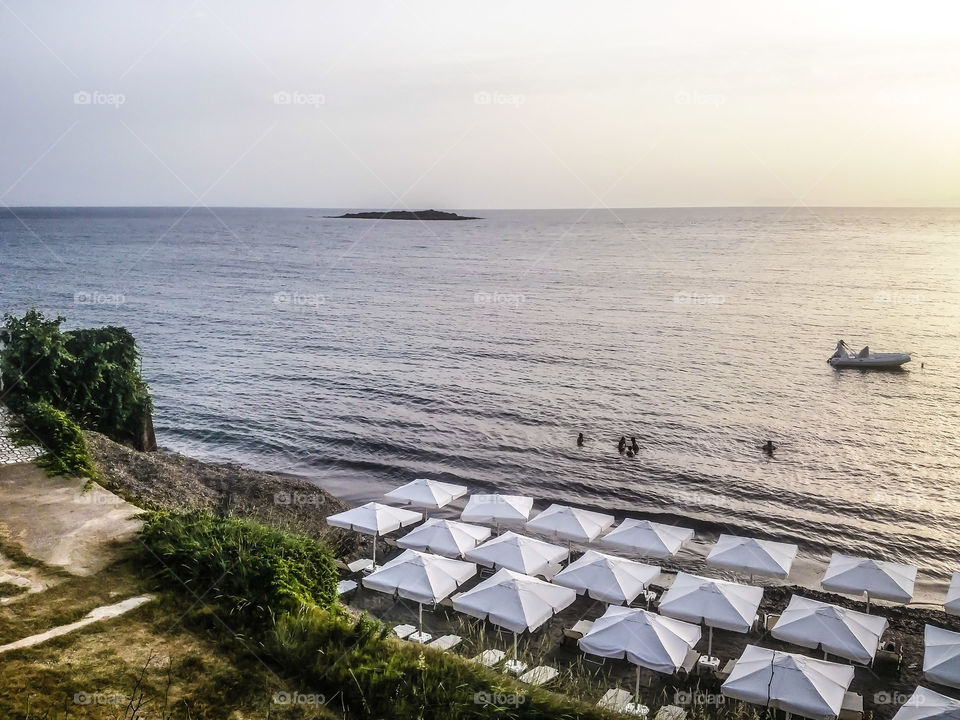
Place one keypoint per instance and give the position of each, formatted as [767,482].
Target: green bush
[65,450]
[252,571]
[92,374]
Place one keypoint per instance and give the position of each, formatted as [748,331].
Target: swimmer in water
[622,445]
[629,453]
[580,440]
[768,447]
[633,445]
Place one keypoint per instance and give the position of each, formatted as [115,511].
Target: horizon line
[4,207]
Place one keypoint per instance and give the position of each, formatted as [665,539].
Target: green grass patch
[65,449]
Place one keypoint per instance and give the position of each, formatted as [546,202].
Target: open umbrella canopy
[647,538]
[794,683]
[420,577]
[374,519]
[952,603]
[926,704]
[752,556]
[444,537]
[514,601]
[857,575]
[501,509]
[842,632]
[571,523]
[427,493]
[518,553]
[716,603]
[941,656]
[607,578]
[644,638]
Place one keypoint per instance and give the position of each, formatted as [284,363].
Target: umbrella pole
[710,642]
[868,602]
[514,646]
[420,619]
[636,694]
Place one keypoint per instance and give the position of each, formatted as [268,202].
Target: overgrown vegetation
[253,571]
[65,449]
[93,375]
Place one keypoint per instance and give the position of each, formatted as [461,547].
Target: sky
[479,105]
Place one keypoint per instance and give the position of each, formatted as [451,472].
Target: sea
[361,354]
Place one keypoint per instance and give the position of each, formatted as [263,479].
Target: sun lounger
[404,631]
[581,628]
[446,642]
[551,570]
[540,675]
[391,542]
[689,663]
[852,707]
[490,658]
[722,675]
[671,712]
[615,700]
[360,565]
[345,588]
[340,565]
[770,621]
[515,667]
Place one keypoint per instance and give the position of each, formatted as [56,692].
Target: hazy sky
[479,105]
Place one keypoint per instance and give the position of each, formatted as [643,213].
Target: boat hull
[877,361]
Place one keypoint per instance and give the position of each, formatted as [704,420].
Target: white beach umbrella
[952,603]
[518,553]
[753,557]
[846,633]
[497,509]
[644,638]
[444,537]
[877,578]
[606,577]
[926,704]
[420,577]
[427,493]
[647,538]
[514,601]
[941,656]
[571,523]
[374,519]
[715,603]
[794,683]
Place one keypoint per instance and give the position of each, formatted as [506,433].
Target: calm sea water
[363,354]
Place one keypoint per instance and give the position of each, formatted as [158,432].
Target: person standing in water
[580,440]
[768,447]
[633,445]
[622,445]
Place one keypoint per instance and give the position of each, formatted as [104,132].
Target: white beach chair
[689,663]
[346,588]
[852,707]
[404,631]
[446,642]
[361,565]
[539,676]
[615,700]
[671,712]
[490,658]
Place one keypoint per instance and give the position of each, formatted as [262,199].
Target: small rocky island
[405,215]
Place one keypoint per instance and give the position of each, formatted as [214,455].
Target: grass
[65,450]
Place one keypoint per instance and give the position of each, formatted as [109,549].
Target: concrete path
[101,613]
